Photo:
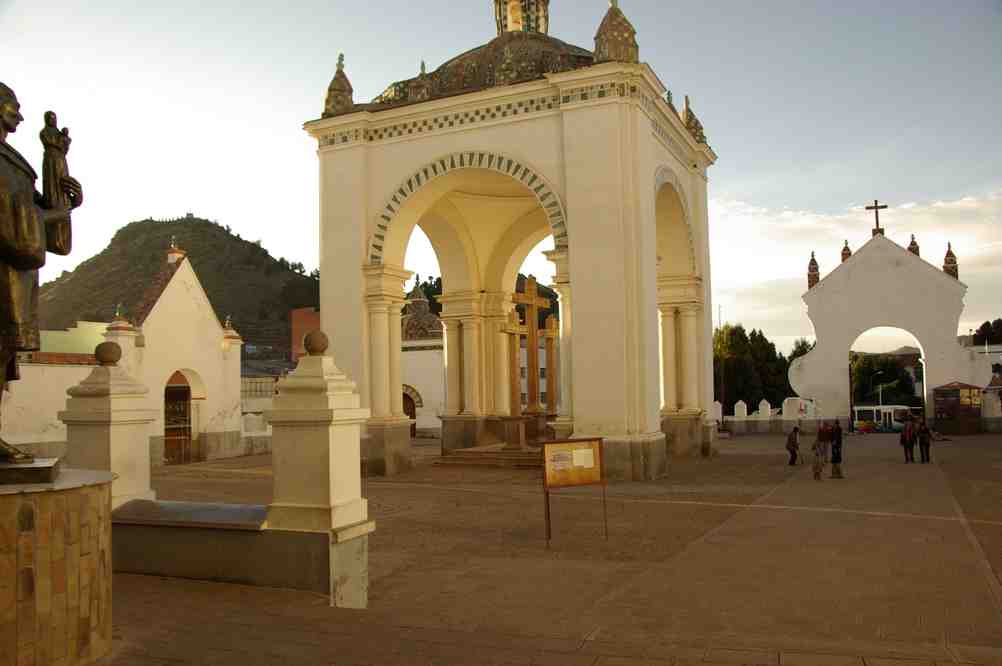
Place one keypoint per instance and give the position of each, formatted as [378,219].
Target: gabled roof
[880,241]
[154,291]
[957,385]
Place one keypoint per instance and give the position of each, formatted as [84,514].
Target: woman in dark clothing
[908,441]
[924,439]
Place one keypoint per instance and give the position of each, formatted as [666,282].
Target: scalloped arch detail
[665,175]
[518,170]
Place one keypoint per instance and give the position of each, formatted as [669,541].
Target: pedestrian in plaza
[836,437]
[821,449]
[793,444]
[924,439]
[908,441]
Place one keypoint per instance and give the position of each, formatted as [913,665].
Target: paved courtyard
[739,559]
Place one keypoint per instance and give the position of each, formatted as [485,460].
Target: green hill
[241,278]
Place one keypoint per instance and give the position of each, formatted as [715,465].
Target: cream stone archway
[883,284]
[498,147]
[684,314]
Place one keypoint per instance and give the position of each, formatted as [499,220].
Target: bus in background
[884,418]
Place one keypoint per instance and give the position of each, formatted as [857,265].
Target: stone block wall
[55,576]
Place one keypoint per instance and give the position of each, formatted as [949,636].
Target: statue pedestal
[40,470]
[55,541]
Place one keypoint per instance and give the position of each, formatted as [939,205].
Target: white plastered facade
[584,158]
[180,333]
[883,284]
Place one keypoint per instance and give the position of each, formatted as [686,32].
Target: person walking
[793,444]
[908,441]
[924,440]
[836,437]
[820,450]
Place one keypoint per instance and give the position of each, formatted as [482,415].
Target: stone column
[669,359]
[453,365]
[396,383]
[379,358]
[472,329]
[690,356]
[108,428]
[316,430]
[564,425]
[502,376]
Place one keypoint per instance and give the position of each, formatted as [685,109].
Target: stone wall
[55,576]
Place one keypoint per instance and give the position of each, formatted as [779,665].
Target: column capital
[385,280]
[690,309]
[560,259]
[667,309]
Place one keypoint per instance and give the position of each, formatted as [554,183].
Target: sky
[814,109]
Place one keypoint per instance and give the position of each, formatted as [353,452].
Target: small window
[542,397]
[542,373]
[523,372]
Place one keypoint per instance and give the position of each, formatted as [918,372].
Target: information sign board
[572,462]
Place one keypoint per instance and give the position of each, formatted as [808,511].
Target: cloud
[759,255]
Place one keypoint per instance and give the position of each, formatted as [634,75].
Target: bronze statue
[31,224]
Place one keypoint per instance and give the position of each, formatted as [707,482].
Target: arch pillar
[564,425]
[387,443]
[462,314]
[681,311]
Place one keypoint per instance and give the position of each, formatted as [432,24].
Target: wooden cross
[876,208]
[532,302]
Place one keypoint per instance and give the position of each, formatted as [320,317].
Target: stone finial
[913,247]
[316,343]
[339,92]
[424,69]
[616,39]
[846,252]
[692,123]
[813,272]
[950,265]
[108,353]
[522,16]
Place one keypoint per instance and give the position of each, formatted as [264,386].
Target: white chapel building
[173,343]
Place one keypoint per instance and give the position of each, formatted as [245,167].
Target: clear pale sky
[814,108]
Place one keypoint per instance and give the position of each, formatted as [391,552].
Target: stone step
[492,458]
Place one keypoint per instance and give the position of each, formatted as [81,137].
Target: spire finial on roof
[340,62]
[424,69]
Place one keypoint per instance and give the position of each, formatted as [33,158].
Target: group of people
[916,432]
[827,447]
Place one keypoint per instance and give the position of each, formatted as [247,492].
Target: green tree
[877,377]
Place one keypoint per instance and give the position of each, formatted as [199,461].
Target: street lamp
[879,386]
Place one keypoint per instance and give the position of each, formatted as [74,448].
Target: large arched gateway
[523,138]
[883,285]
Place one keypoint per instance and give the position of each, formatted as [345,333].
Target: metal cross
[876,208]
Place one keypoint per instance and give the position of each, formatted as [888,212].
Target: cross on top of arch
[535,183]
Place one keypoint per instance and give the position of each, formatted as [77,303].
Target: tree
[996,338]
[433,288]
[877,377]
[800,347]
[983,334]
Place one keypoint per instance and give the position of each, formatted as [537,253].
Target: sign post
[573,462]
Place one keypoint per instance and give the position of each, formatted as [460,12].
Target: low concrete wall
[191,546]
[209,446]
[991,424]
[776,426]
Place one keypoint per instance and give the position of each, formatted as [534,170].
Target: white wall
[30,405]
[424,369]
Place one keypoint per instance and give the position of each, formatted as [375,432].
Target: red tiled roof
[152,294]
[57,358]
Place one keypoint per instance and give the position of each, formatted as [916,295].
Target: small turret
[522,16]
[616,39]
[813,273]
[339,92]
[846,252]
[950,266]
[692,123]
[913,247]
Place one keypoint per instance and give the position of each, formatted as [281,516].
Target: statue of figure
[30,226]
[56,143]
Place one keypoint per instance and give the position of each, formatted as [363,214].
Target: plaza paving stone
[737,559]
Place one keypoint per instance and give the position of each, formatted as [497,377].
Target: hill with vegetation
[242,280]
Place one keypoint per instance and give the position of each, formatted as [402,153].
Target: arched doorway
[886,380]
[410,411]
[177,420]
